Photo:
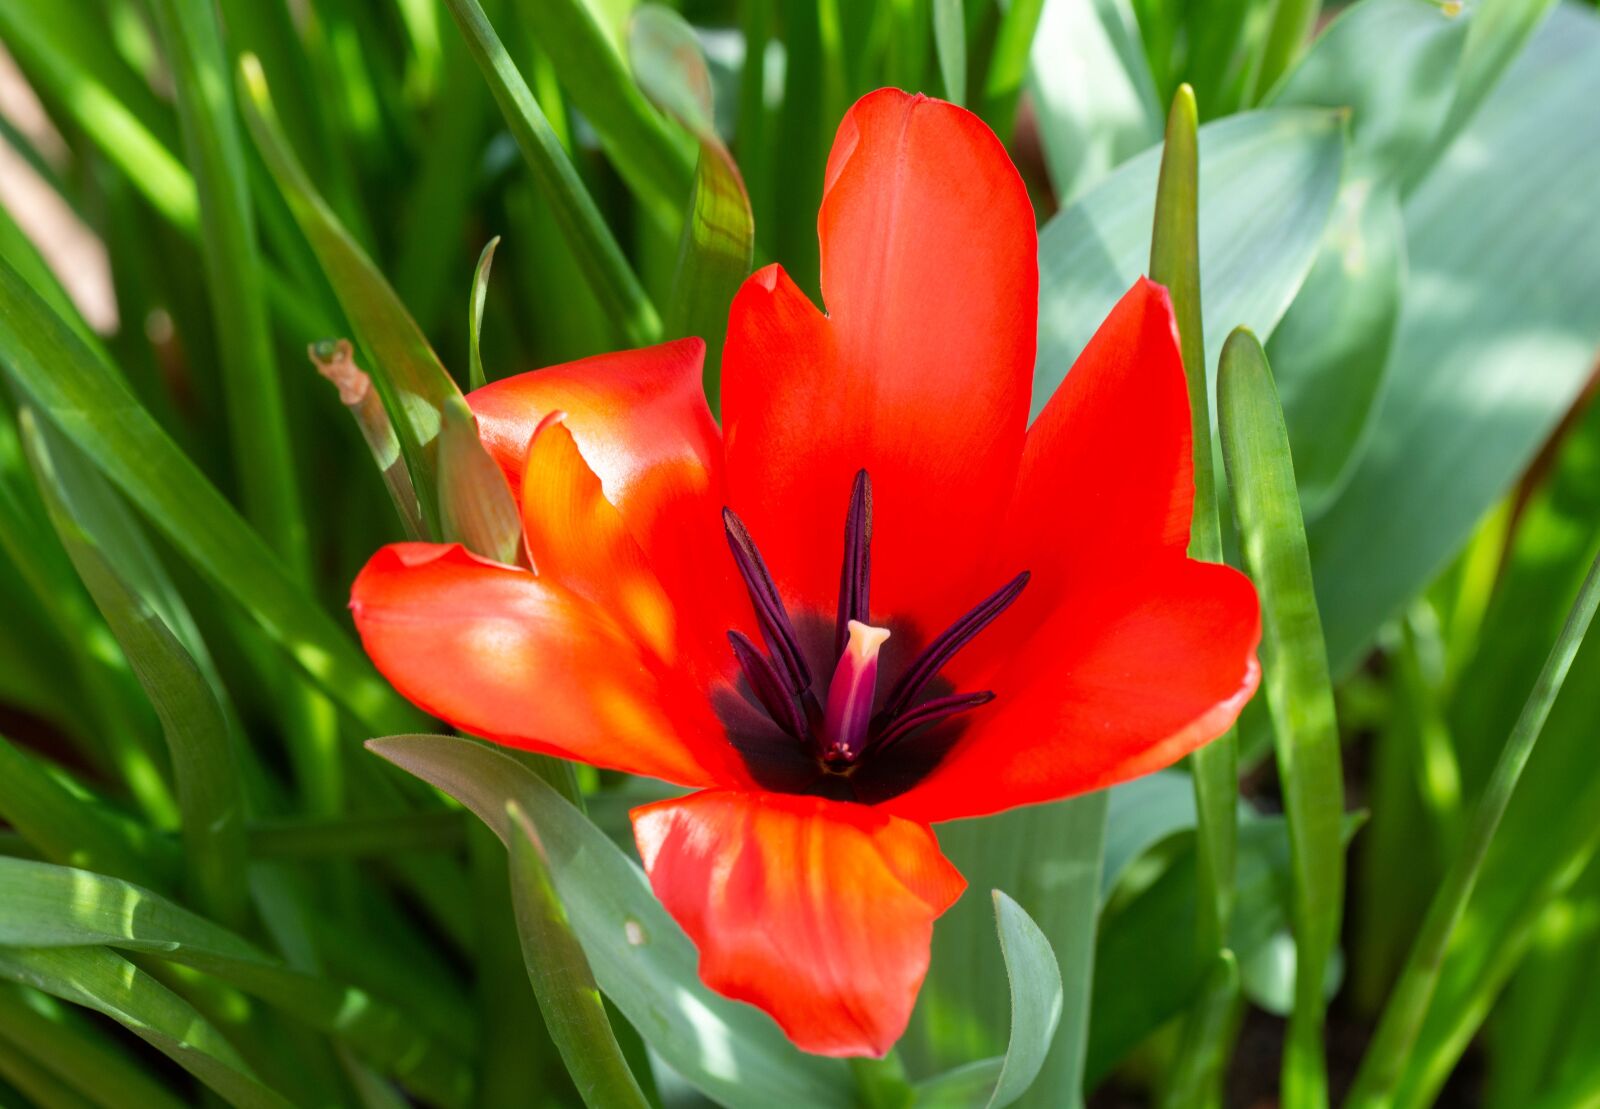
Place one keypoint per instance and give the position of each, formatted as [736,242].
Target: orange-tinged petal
[1127,676]
[818,912]
[920,373]
[640,421]
[525,661]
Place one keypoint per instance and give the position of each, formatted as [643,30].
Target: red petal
[503,654]
[1107,477]
[819,912]
[920,373]
[640,420]
[1129,675]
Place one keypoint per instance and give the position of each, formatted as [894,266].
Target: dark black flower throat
[839,730]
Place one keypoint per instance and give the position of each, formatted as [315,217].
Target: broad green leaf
[950,41]
[45,906]
[1092,89]
[640,957]
[1299,692]
[1330,350]
[1056,881]
[94,408]
[653,159]
[1484,315]
[235,279]
[573,1010]
[99,979]
[1391,1047]
[1267,184]
[56,1037]
[1036,1003]
[210,794]
[1141,814]
[718,239]
[599,257]
[480,291]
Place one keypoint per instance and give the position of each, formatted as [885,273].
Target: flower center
[837,725]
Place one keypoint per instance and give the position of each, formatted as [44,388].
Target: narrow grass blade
[1287,36]
[1299,691]
[210,795]
[57,1037]
[573,1010]
[640,957]
[480,293]
[258,429]
[651,158]
[718,240]
[48,906]
[1396,1036]
[1175,263]
[600,258]
[101,980]
[94,408]
[950,41]
[66,827]
[1008,64]
[407,372]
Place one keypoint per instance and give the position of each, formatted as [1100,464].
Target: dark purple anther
[855,575]
[943,649]
[768,685]
[930,712]
[772,617]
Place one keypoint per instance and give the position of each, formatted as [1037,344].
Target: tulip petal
[525,661]
[640,421]
[818,912]
[920,373]
[1107,477]
[1127,676]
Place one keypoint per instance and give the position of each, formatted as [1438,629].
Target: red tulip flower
[876,598]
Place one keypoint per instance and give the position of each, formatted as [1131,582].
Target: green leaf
[1092,89]
[950,42]
[1141,814]
[1202,1051]
[1036,1001]
[1008,64]
[78,1053]
[1331,349]
[573,1010]
[1395,1039]
[1299,692]
[480,291]
[94,408]
[210,796]
[475,504]
[640,957]
[101,980]
[235,280]
[600,259]
[1267,185]
[718,240]
[46,906]
[1056,881]
[1480,308]
[651,158]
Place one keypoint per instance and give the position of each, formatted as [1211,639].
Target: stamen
[850,694]
[930,712]
[772,617]
[943,649]
[855,575]
[768,685]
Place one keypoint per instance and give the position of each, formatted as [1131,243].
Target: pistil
[845,728]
